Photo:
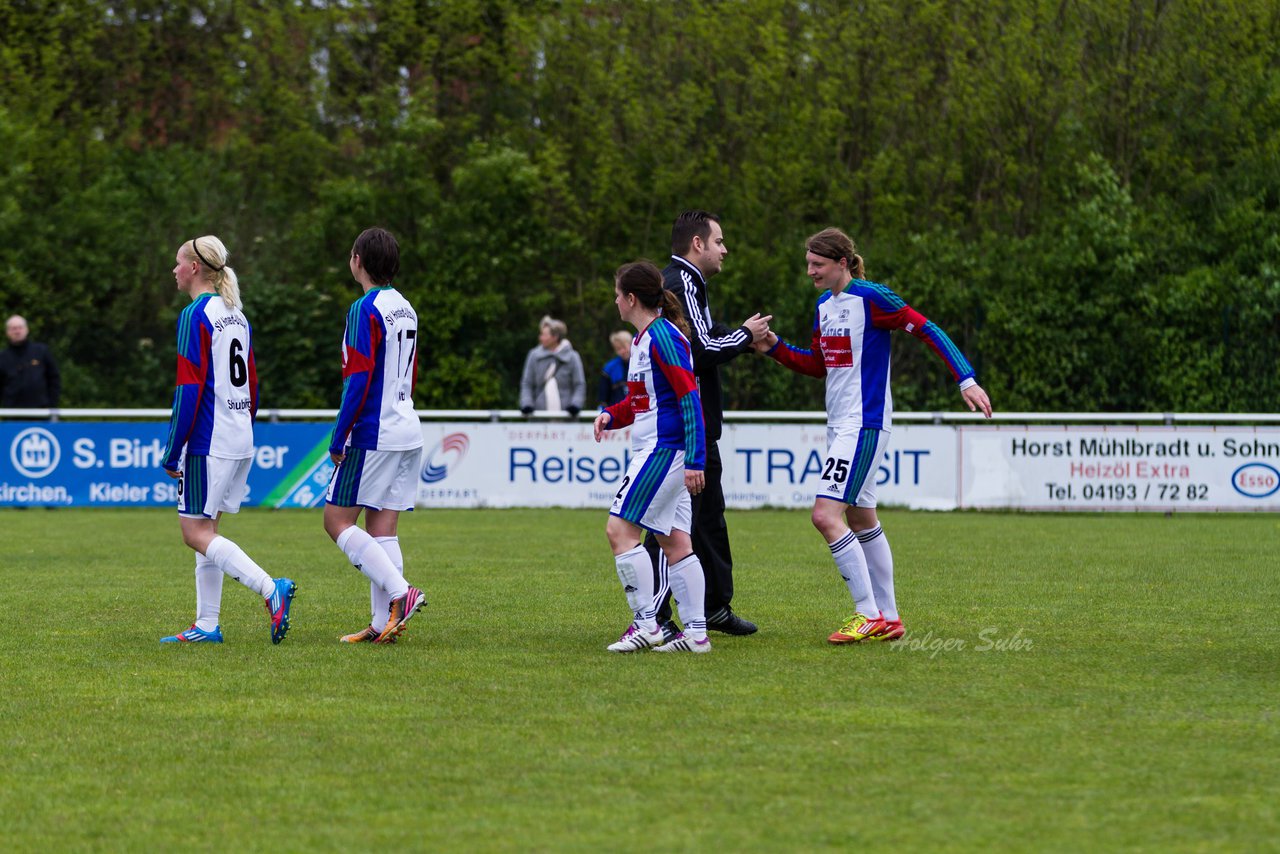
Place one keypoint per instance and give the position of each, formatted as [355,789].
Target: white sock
[232,560]
[852,565]
[379,601]
[208,593]
[689,587]
[635,571]
[875,547]
[367,556]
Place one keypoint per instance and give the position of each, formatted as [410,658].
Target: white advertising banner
[1121,468]
[530,464]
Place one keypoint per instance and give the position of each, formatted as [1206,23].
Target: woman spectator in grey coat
[552,378]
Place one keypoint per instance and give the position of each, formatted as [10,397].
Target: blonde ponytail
[212,255]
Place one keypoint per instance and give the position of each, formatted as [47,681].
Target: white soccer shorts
[652,494]
[378,480]
[212,485]
[853,460]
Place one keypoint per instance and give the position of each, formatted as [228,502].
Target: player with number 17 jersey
[217,387]
[379,370]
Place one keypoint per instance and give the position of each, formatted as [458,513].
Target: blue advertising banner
[117,464]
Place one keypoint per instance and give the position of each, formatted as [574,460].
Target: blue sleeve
[193,366]
[360,343]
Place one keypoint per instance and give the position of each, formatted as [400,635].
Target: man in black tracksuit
[29,377]
[697,253]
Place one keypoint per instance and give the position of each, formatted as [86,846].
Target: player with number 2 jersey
[668,443]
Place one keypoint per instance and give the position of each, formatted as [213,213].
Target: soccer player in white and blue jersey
[668,443]
[850,348]
[210,447]
[377,439]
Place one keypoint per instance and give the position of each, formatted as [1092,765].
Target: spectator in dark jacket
[29,376]
[613,376]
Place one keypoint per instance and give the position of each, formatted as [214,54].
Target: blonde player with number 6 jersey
[210,446]
[377,440]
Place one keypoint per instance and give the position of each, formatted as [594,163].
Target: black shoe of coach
[730,623]
[670,631]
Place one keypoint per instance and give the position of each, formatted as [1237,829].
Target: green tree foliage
[1085,194]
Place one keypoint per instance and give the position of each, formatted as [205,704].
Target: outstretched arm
[888,311]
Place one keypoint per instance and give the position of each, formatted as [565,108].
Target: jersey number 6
[239,370]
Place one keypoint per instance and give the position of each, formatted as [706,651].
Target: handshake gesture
[762,337]
[758,326]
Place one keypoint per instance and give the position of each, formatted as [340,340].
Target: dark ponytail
[643,280]
[674,312]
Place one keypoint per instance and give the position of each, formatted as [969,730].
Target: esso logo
[35,452]
[1256,480]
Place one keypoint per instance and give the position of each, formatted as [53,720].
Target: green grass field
[1136,705]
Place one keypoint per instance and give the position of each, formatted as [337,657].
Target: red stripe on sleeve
[904,318]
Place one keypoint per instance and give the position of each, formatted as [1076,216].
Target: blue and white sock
[875,547]
[852,565]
